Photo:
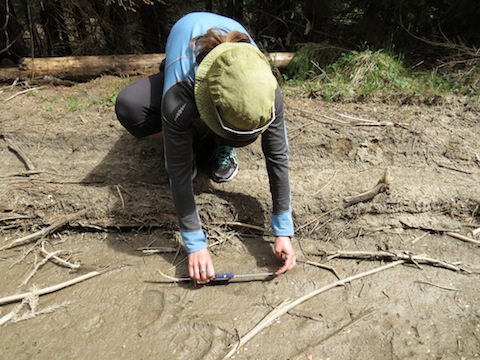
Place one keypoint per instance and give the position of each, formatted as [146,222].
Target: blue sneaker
[225,165]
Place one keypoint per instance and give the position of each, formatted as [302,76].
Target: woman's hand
[200,266]
[284,250]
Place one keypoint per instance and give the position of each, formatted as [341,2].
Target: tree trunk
[235,9]
[88,67]
[12,45]
[55,29]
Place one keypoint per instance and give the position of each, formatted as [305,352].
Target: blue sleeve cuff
[282,224]
[194,240]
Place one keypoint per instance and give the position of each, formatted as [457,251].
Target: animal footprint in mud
[150,308]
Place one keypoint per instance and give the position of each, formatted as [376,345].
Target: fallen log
[87,67]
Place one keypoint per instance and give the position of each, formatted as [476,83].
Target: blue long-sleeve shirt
[178,113]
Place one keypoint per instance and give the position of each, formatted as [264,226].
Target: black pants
[138,106]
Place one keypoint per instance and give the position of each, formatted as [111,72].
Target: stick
[155,250]
[316,218]
[438,286]
[382,186]
[463,238]
[445,166]
[37,266]
[4,216]
[172,278]
[16,149]
[417,239]
[326,185]
[19,297]
[398,255]
[367,122]
[6,318]
[286,306]
[121,197]
[248,226]
[322,266]
[350,323]
[20,93]
[42,233]
[58,260]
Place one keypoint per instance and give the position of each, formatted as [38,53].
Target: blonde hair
[202,45]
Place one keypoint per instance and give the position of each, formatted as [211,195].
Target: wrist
[194,240]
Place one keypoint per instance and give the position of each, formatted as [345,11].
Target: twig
[286,305]
[445,166]
[4,216]
[301,129]
[315,114]
[58,260]
[19,297]
[417,239]
[121,197]
[42,233]
[156,250]
[172,278]
[350,323]
[322,266]
[391,255]
[21,92]
[248,226]
[356,118]
[37,266]
[367,122]
[16,149]
[23,174]
[439,286]
[316,218]
[30,304]
[463,238]
[382,186]
[6,318]
[327,184]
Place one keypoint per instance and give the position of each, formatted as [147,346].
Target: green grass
[378,75]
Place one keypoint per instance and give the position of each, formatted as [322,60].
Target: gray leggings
[138,106]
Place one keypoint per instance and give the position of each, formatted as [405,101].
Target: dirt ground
[85,165]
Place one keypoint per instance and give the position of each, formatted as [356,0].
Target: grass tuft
[381,76]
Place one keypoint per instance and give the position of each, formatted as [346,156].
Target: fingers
[200,266]
[284,249]
[290,262]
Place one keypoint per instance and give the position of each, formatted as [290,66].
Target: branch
[392,256]
[42,233]
[463,238]
[19,297]
[16,149]
[287,305]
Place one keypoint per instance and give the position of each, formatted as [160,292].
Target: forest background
[378,92]
[432,36]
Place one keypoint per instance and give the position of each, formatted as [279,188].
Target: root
[382,186]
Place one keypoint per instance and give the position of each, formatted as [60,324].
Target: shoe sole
[219,181]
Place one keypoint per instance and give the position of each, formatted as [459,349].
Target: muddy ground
[86,165]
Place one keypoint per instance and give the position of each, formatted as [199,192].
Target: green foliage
[309,60]
[363,74]
[74,102]
[380,75]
